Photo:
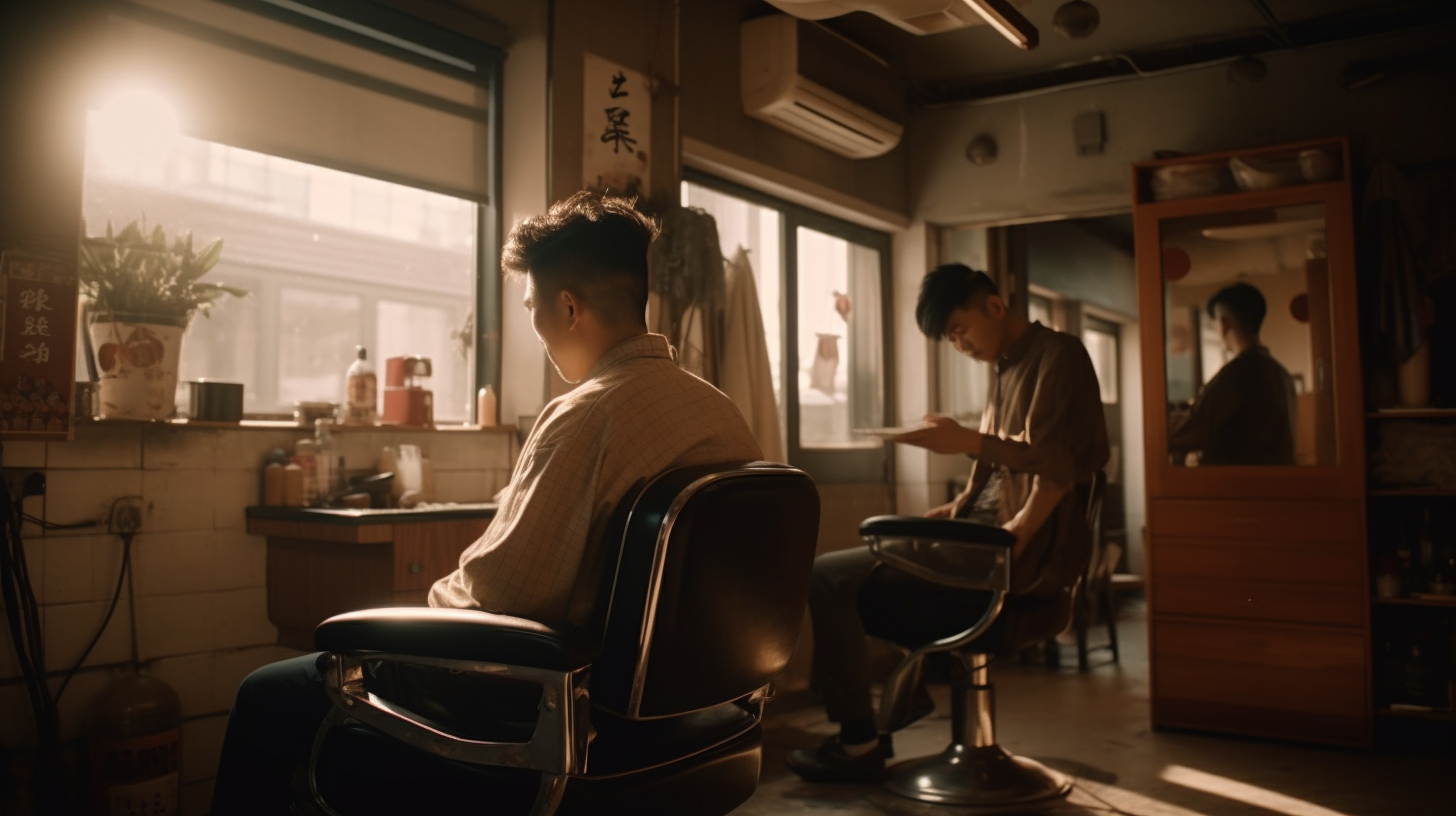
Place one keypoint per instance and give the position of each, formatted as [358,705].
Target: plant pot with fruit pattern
[137,357]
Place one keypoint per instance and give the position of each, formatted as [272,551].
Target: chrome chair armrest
[455,634]
[947,552]
[465,642]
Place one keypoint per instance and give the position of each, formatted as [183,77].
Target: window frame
[487,58]
[830,466]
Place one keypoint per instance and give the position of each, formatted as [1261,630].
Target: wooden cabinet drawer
[1289,682]
[1259,601]
[1256,521]
[1337,565]
[425,553]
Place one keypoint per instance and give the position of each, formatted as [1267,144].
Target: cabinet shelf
[1413,491]
[1451,604]
[1436,714]
[1412,413]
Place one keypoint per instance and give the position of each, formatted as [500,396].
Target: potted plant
[141,292]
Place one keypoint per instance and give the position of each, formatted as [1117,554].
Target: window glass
[964,385]
[331,260]
[839,342]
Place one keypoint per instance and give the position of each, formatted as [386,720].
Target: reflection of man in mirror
[1245,414]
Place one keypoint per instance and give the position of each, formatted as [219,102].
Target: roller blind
[252,81]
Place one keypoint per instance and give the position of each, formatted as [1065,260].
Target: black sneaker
[831,763]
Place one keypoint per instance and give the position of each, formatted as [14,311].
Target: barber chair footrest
[977,777]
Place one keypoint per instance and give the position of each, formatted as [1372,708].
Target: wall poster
[617,115]
[38,300]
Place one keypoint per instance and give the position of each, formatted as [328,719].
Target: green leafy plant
[133,272]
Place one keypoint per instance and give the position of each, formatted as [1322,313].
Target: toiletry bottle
[305,455]
[362,390]
[326,466]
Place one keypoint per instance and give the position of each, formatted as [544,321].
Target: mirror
[1245,388]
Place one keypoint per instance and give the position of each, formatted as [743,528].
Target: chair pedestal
[977,777]
[976,772]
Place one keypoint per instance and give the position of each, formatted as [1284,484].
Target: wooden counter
[324,562]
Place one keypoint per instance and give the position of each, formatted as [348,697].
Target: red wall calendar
[37,344]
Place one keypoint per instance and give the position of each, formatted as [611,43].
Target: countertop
[356,517]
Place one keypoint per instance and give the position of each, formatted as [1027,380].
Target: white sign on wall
[617,116]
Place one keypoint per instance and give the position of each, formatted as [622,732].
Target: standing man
[1042,434]
[1245,414]
[633,414]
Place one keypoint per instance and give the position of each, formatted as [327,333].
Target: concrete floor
[1094,726]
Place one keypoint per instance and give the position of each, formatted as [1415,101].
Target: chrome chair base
[977,777]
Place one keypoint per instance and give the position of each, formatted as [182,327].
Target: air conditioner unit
[808,81]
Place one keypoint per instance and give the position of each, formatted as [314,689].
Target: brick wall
[201,598]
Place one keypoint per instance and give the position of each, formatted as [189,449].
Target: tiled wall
[201,603]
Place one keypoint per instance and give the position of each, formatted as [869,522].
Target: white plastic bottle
[362,389]
[485,408]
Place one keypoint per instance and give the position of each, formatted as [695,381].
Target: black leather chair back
[694,619]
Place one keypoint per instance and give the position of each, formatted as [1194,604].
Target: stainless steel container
[213,401]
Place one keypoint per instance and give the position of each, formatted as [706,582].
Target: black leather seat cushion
[910,613]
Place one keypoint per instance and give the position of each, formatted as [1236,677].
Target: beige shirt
[635,415]
[1043,418]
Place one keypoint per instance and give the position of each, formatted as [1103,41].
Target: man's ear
[995,307]
[571,306]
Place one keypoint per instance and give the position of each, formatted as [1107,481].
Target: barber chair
[942,586]
[654,708]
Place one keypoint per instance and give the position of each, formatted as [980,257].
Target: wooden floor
[1094,726]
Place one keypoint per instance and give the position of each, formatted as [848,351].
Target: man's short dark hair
[590,244]
[1245,306]
[946,288]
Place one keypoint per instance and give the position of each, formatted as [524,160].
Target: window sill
[273,425]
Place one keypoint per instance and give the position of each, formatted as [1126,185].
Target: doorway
[1077,276]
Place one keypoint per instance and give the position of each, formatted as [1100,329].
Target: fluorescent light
[1004,18]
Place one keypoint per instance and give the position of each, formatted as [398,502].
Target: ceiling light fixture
[1000,15]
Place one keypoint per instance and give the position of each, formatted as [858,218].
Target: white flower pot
[137,358]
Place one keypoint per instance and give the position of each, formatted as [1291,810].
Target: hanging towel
[746,375]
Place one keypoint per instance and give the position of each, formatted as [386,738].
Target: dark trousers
[269,735]
[841,655]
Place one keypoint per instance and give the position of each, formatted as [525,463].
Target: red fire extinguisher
[134,736]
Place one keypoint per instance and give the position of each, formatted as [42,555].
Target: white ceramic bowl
[1251,174]
[1319,165]
[1187,181]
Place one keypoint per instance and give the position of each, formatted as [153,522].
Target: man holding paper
[1042,433]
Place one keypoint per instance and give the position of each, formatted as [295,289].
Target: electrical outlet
[126,515]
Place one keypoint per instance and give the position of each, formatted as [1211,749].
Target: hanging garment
[746,375]
[826,363]
[685,266]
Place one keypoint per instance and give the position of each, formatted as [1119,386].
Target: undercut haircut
[592,245]
[1244,304]
[946,288]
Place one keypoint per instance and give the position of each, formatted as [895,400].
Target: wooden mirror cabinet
[1257,567]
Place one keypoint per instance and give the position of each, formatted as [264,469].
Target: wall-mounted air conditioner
[804,79]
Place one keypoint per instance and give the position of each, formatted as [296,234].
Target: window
[356,215]
[331,260]
[822,286]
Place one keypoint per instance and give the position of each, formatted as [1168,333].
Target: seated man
[633,414]
[1042,432]
[1245,414]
